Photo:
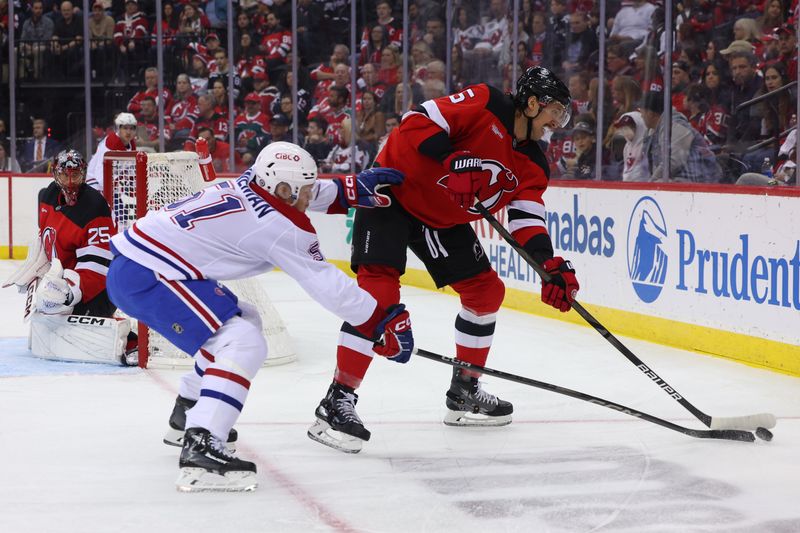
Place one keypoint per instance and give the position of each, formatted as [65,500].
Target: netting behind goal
[137,182]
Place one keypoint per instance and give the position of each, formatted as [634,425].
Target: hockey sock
[481,297]
[232,357]
[354,353]
[474,336]
[190,381]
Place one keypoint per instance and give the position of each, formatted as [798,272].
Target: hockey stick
[759,422]
[725,434]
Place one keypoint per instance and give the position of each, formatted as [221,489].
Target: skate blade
[323,433]
[468,418]
[174,437]
[200,480]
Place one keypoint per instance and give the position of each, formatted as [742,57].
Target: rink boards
[715,270]
[710,271]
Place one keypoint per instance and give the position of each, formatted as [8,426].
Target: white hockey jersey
[235,230]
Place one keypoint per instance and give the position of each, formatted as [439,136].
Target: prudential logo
[647,261]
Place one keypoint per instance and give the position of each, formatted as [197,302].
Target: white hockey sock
[234,354]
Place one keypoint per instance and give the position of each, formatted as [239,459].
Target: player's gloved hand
[364,189]
[395,329]
[462,182]
[563,286]
[59,290]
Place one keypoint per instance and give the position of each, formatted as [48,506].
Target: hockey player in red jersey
[476,145]
[75,229]
[119,140]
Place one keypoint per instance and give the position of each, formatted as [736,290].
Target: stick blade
[746,423]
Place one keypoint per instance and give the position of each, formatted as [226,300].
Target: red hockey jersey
[78,235]
[479,119]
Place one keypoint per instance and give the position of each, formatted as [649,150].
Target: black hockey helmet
[546,87]
[69,171]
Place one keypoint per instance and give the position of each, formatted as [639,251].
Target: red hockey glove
[462,182]
[563,286]
[395,330]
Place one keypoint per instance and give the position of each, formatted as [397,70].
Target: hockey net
[138,182]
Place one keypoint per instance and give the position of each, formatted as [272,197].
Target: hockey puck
[764,434]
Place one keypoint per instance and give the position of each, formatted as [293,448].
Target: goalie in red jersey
[475,145]
[66,271]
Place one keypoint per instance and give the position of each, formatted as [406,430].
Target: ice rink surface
[82,451]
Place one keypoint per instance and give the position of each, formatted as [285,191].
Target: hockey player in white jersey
[164,271]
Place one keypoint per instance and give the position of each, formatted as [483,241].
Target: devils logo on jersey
[495,180]
[49,242]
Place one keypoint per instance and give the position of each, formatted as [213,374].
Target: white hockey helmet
[284,162]
[125,119]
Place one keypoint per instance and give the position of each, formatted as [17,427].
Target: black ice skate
[338,425]
[177,425]
[206,465]
[469,405]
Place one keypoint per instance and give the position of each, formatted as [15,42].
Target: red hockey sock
[354,354]
[481,297]
[351,367]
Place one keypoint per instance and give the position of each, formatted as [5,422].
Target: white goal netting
[136,184]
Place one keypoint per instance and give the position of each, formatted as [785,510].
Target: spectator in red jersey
[680,82]
[249,57]
[219,92]
[119,140]
[147,128]
[709,123]
[276,44]
[323,74]
[372,48]
[183,110]
[220,152]
[150,89]
[334,112]
[579,90]
[131,36]
[647,69]
[267,92]
[393,28]
[389,71]
[369,82]
[193,25]
[207,118]
[170,22]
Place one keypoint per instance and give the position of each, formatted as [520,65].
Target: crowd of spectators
[725,53]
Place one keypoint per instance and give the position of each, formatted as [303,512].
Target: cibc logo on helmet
[291,157]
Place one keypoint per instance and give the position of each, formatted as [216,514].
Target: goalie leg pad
[87,339]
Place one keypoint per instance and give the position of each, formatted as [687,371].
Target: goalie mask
[283,162]
[69,171]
